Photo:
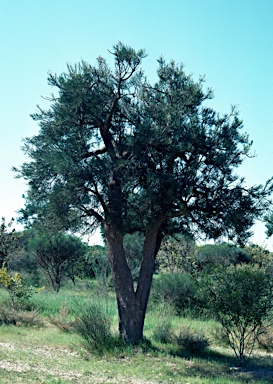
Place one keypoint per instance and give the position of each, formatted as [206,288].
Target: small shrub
[11,316]
[192,341]
[219,335]
[265,339]
[94,326]
[241,299]
[163,332]
[16,287]
[62,320]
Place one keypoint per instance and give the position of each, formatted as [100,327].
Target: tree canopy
[117,151]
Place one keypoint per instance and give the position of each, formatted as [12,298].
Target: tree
[259,255]
[117,151]
[8,240]
[58,256]
[212,256]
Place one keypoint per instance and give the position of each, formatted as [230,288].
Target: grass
[49,356]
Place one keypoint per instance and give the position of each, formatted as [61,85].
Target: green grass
[49,356]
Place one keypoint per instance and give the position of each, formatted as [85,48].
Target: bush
[177,289]
[62,320]
[10,316]
[192,341]
[94,326]
[265,339]
[241,299]
[16,287]
[163,332]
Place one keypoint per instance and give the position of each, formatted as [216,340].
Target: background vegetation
[203,300]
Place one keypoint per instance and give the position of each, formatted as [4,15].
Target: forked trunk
[132,304]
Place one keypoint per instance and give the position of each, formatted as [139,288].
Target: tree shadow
[212,364]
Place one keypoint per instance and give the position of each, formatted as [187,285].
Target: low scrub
[62,320]
[11,316]
[192,341]
[163,332]
[265,339]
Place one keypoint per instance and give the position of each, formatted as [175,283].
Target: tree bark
[132,304]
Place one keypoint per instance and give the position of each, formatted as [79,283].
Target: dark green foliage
[96,263]
[269,224]
[116,151]
[9,242]
[177,289]
[192,341]
[241,299]
[212,256]
[259,255]
[157,142]
[59,256]
[24,260]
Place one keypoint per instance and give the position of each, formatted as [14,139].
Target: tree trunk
[132,304]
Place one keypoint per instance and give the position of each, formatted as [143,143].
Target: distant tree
[8,240]
[23,260]
[259,255]
[116,151]
[96,264]
[58,256]
[212,256]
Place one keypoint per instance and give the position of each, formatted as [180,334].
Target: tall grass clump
[93,325]
[163,332]
[192,341]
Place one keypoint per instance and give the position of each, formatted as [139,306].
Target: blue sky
[228,41]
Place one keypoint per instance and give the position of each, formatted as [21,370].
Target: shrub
[62,320]
[265,339]
[177,289]
[18,291]
[11,316]
[241,299]
[163,332]
[94,326]
[192,341]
